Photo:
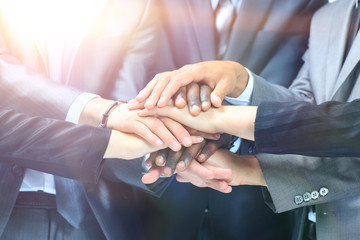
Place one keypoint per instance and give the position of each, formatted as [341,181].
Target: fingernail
[216,99]
[131,101]
[199,139]
[195,108]
[180,101]
[181,165]
[161,101]
[187,141]
[176,146]
[201,157]
[159,161]
[167,171]
[158,142]
[205,104]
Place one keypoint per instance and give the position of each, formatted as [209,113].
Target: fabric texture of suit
[269,37]
[323,77]
[113,59]
[326,130]
[24,141]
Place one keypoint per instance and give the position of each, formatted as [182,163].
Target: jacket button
[307,197]
[298,199]
[17,170]
[314,194]
[324,191]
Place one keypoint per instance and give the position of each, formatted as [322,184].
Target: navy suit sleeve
[52,146]
[331,129]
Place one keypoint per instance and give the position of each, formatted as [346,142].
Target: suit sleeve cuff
[245,96]
[77,107]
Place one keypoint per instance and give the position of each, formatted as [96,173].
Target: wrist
[242,78]
[93,110]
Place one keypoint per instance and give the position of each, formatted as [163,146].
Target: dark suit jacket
[268,37]
[326,130]
[25,141]
[113,59]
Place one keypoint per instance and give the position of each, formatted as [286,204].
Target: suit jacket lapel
[202,18]
[336,67]
[70,54]
[251,16]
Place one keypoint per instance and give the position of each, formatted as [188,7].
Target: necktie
[70,200]
[225,14]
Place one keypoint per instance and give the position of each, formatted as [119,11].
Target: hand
[246,168]
[223,77]
[130,146]
[156,131]
[213,177]
[171,161]
[196,96]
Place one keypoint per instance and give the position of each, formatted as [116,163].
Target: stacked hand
[157,115]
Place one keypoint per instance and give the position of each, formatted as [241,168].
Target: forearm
[236,120]
[302,128]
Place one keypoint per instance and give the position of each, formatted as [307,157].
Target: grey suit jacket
[323,77]
[114,59]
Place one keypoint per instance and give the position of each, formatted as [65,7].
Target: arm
[328,130]
[61,148]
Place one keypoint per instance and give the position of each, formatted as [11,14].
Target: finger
[152,175]
[171,162]
[151,160]
[194,181]
[205,92]
[200,171]
[145,93]
[162,82]
[159,129]
[161,157]
[188,155]
[208,150]
[144,132]
[180,78]
[220,186]
[193,99]
[220,91]
[196,139]
[180,101]
[178,130]
[134,105]
[223,174]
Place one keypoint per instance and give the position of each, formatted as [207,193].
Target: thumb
[218,94]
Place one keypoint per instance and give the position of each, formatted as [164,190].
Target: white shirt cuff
[245,96]
[77,107]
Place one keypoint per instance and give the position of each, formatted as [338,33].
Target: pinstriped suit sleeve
[52,146]
[327,130]
[29,92]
